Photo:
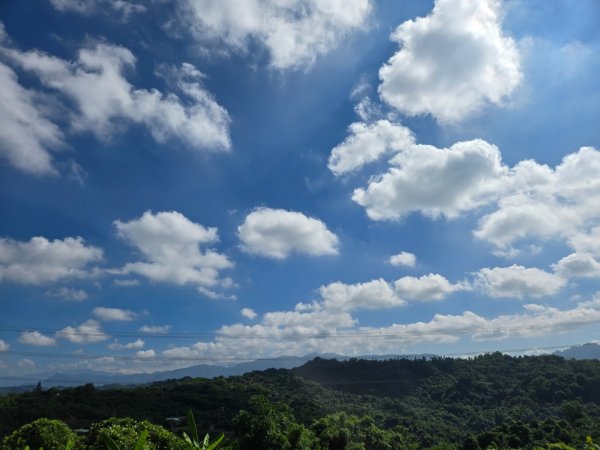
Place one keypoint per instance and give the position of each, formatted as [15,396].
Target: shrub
[46,433]
[125,433]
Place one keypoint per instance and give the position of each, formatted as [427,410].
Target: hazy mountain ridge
[100,378]
[584,351]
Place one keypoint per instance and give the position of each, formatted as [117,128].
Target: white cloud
[105,101]
[113,314]
[434,181]
[26,363]
[155,329]
[294,32]
[307,329]
[170,244]
[42,261]
[127,282]
[451,62]
[541,320]
[432,287]
[65,293]
[375,294]
[305,326]
[520,216]
[150,353]
[517,282]
[527,201]
[136,345]
[4,346]
[403,259]
[578,265]
[89,331]
[368,143]
[586,241]
[540,202]
[89,7]
[36,338]
[248,313]
[27,134]
[277,233]
[217,295]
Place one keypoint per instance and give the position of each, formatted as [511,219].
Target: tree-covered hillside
[509,402]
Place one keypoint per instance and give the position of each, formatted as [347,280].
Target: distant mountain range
[99,378]
[585,351]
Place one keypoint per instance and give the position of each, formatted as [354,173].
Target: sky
[200,181]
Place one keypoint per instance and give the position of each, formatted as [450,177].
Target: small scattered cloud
[88,332]
[277,233]
[76,173]
[150,353]
[586,241]
[155,329]
[294,33]
[135,345]
[36,338]
[170,244]
[428,288]
[26,363]
[434,181]
[406,259]
[375,294]
[113,314]
[28,134]
[248,313]
[4,346]
[517,282]
[127,282]
[578,265]
[66,293]
[536,201]
[40,260]
[213,295]
[452,62]
[367,143]
[123,8]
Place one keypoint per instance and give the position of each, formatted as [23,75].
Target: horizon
[184,183]
[133,377]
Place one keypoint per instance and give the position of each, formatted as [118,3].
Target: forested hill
[492,397]
[492,377]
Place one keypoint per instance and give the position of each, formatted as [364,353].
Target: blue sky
[195,181]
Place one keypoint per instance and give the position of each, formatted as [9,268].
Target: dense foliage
[46,433]
[125,432]
[490,401]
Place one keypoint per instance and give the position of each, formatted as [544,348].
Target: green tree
[46,433]
[126,432]
[268,426]
[340,431]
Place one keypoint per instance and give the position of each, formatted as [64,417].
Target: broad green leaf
[187,439]
[139,445]
[109,442]
[192,426]
[215,443]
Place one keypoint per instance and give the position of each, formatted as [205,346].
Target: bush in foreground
[125,433]
[46,433]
